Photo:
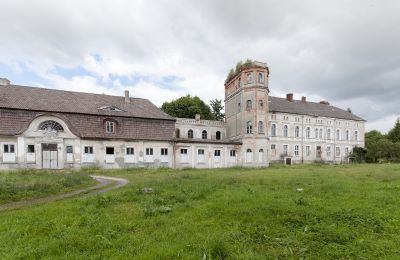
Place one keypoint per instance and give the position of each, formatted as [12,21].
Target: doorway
[49,156]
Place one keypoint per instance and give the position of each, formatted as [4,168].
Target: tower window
[260,78]
[249,105]
[261,104]
[260,127]
[249,78]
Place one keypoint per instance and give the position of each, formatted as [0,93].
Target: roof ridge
[69,91]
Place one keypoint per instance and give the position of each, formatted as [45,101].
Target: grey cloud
[344,51]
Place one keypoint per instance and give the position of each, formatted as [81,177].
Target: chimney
[303,99]
[289,97]
[197,117]
[324,102]
[127,99]
[4,82]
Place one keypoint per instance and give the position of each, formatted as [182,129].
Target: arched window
[249,127]
[321,134]
[249,78]
[51,125]
[328,133]
[260,78]
[347,135]
[218,135]
[177,133]
[285,131]
[316,133]
[261,104]
[308,132]
[273,130]
[260,127]
[249,105]
[356,135]
[204,134]
[190,134]
[337,134]
[297,131]
[249,156]
[261,155]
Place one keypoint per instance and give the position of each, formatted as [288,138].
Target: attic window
[110,108]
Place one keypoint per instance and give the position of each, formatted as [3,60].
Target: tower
[246,111]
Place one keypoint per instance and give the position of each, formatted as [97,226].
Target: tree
[394,134]
[216,108]
[187,107]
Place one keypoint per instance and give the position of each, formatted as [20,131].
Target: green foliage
[187,107]
[239,66]
[343,212]
[380,148]
[358,154]
[217,108]
[394,134]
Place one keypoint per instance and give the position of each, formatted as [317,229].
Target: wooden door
[49,156]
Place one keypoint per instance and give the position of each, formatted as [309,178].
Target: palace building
[54,129]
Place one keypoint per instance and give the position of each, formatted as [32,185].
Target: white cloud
[341,51]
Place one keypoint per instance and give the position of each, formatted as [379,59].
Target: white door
[49,156]
[260,157]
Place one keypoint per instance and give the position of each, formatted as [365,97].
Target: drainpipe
[302,139]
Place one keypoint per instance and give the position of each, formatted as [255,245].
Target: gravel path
[105,184]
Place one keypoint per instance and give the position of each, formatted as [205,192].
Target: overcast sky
[346,52]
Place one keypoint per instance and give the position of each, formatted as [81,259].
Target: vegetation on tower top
[240,65]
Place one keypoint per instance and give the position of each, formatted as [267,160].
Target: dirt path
[105,184]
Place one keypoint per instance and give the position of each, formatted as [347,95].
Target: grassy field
[308,212]
[22,184]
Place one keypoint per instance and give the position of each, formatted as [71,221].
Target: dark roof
[282,105]
[52,100]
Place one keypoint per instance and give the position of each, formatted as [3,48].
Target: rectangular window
[200,156]
[89,149]
[217,152]
[149,151]
[273,149]
[130,150]
[184,151]
[296,150]
[233,153]
[308,150]
[69,149]
[184,155]
[285,150]
[164,151]
[200,152]
[110,127]
[328,151]
[9,148]
[337,151]
[31,148]
[110,150]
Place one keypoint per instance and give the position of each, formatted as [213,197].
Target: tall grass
[23,184]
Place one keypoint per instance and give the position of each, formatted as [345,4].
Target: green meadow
[25,184]
[281,212]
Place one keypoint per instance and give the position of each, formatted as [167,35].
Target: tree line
[380,147]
